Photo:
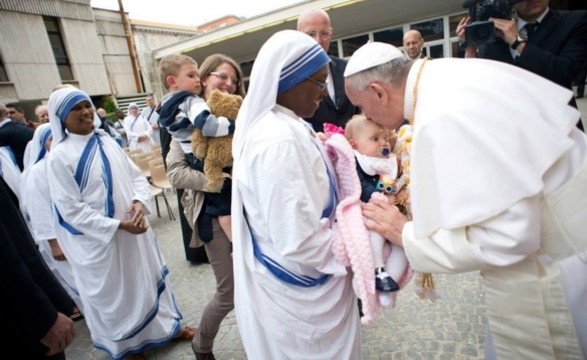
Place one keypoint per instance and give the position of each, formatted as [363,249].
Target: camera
[482,31]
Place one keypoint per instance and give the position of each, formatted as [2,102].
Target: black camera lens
[479,33]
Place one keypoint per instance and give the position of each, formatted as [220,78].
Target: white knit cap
[370,55]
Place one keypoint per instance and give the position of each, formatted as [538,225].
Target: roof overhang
[243,40]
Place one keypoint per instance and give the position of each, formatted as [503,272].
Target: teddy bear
[216,152]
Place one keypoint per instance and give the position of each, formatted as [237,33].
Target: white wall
[27,56]
[85,56]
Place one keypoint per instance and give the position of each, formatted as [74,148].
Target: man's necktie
[530,29]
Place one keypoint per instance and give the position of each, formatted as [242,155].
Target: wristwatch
[519,39]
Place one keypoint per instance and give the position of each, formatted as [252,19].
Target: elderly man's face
[413,44]
[42,113]
[318,27]
[381,103]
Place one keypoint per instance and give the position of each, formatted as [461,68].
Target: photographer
[556,47]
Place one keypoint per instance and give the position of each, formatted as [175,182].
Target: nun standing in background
[138,130]
[293,299]
[37,209]
[101,202]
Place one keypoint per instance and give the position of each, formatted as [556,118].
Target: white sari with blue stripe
[9,170]
[287,320]
[121,277]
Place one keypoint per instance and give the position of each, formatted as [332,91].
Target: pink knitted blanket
[351,243]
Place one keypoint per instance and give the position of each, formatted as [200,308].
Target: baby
[378,172]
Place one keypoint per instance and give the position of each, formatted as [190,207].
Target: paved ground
[450,328]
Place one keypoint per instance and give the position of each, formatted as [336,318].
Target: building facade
[51,42]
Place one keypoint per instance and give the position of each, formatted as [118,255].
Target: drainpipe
[131,48]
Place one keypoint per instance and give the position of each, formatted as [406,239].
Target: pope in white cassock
[101,199]
[293,299]
[498,185]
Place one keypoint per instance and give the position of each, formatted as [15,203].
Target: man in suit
[336,107]
[15,135]
[552,45]
[35,320]
[413,43]
[16,114]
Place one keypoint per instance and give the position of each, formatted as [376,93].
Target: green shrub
[110,108]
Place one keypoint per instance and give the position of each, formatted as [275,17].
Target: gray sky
[190,12]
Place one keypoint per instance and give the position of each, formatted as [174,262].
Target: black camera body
[482,31]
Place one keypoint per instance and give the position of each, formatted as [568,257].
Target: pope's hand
[385,219]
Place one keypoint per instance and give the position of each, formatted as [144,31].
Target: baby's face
[188,79]
[371,139]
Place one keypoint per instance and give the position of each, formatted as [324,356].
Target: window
[393,36]
[350,45]
[457,51]
[436,51]
[333,48]
[431,30]
[56,40]
[3,75]
[246,68]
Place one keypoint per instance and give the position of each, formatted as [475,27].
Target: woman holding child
[223,73]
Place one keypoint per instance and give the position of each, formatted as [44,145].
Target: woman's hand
[56,250]
[385,219]
[137,224]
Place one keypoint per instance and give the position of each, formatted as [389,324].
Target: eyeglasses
[222,76]
[323,34]
[320,84]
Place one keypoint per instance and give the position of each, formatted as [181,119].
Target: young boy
[377,168]
[182,111]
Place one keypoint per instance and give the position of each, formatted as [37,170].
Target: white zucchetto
[370,55]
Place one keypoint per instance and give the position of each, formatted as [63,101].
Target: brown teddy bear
[216,152]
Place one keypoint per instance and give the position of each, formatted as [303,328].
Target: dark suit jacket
[32,295]
[328,111]
[556,50]
[17,136]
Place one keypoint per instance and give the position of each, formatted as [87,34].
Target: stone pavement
[450,328]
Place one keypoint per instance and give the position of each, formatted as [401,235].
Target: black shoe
[203,356]
[384,282]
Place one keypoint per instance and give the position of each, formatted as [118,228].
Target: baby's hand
[322,136]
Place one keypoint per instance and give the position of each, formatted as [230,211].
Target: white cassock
[499,184]
[121,277]
[134,127]
[284,185]
[9,170]
[38,211]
